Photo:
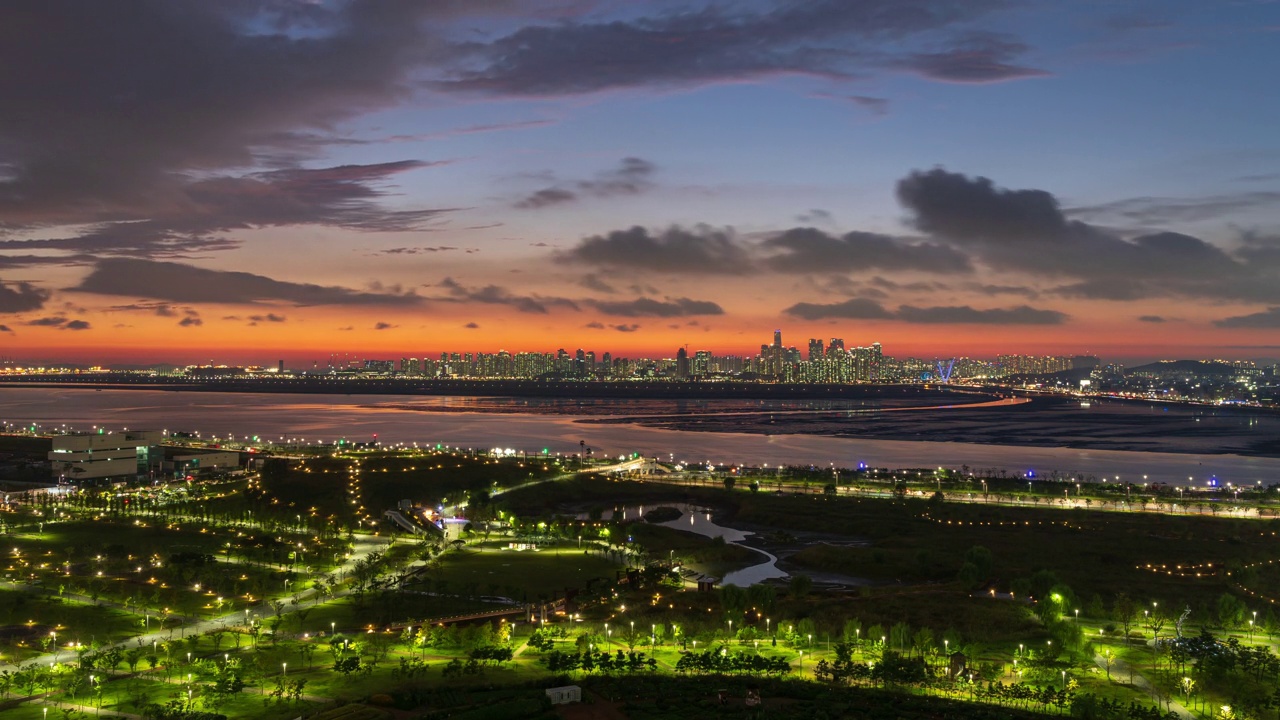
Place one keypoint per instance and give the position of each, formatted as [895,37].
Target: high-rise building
[815,349]
[777,338]
[701,363]
[682,363]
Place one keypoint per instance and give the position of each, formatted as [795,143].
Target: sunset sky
[241,181]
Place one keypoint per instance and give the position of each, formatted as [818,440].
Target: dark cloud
[1026,231]
[1156,211]
[965,223]
[144,94]
[139,135]
[701,250]
[472,326]
[546,197]
[1009,290]
[1259,177]
[54,321]
[808,250]
[876,106]
[416,250]
[176,282]
[473,129]
[594,326]
[721,42]
[864,309]
[147,239]
[852,309]
[6,329]
[495,295]
[343,196]
[625,328]
[1268,319]
[957,206]
[965,315]
[592,281]
[268,318]
[815,216]
[28,261]
[629,178]
[77,325]
[975,58]
[190,322]
[648,307]
[919,286]
[384,326]
[1151,319]
[21,297]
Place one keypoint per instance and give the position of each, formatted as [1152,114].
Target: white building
[90,456]
[565,694]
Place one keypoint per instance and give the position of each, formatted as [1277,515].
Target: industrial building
[79,457]
[92,456]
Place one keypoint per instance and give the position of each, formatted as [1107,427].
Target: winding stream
[698,520]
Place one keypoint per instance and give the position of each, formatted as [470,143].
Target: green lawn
[530,574]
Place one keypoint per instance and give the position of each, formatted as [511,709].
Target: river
[329,417]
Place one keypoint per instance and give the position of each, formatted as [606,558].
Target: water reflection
[329,417]
[698,520]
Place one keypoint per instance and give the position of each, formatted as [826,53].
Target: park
[912,593]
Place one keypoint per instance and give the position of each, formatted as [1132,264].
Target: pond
[698,520]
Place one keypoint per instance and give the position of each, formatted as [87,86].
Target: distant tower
[777,338]
[682,363]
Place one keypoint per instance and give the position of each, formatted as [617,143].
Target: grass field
[532,574]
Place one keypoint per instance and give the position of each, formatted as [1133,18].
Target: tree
[729,482]
[733,599]
[1124,610]
[981,558]
[800,585]
[1231,611]
[1108,659]
[852,631]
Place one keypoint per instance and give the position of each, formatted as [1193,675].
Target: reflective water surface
[329,417]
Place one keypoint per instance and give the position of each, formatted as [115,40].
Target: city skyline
[191,182]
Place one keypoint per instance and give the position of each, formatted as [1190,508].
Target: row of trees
[599,661]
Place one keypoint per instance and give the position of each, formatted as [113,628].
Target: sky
[252,180]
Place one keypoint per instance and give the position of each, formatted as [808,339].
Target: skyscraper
[682,363]
[815,349]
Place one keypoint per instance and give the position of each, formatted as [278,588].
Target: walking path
[1143,684]
[364,546]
